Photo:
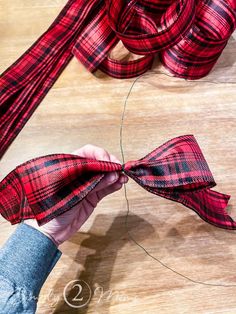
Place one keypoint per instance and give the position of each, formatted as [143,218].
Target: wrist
[33,223]
[29,265]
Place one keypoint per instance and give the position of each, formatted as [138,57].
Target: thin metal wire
[198,81]
[128,206]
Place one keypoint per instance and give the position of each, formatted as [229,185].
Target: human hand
[64,226]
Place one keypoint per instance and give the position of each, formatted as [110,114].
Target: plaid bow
[189,36]
[48,186]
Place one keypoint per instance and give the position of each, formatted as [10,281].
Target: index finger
[93,152]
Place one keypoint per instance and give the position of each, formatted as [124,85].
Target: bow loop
[170,176]
[45,187]
[176,165]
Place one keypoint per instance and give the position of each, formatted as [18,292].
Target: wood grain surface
[84,108]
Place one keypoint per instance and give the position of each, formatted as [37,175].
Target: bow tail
[208,204]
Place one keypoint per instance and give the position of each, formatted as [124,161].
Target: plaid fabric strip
[141,34]
[154,9]
[48,186]
[185,33]
[232,3]
[96,41]
[24,84]
[195,55]
[126,69]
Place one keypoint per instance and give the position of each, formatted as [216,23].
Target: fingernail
[112,177]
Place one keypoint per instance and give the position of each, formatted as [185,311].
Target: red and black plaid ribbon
[48,186]
[197,52]
[189,36]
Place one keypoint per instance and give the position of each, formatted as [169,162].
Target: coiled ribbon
[189,36]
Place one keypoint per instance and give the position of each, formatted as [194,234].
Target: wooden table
[83,108]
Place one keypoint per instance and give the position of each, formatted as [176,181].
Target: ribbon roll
[189,35]
[48,186]
[142,33]
[195,55]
